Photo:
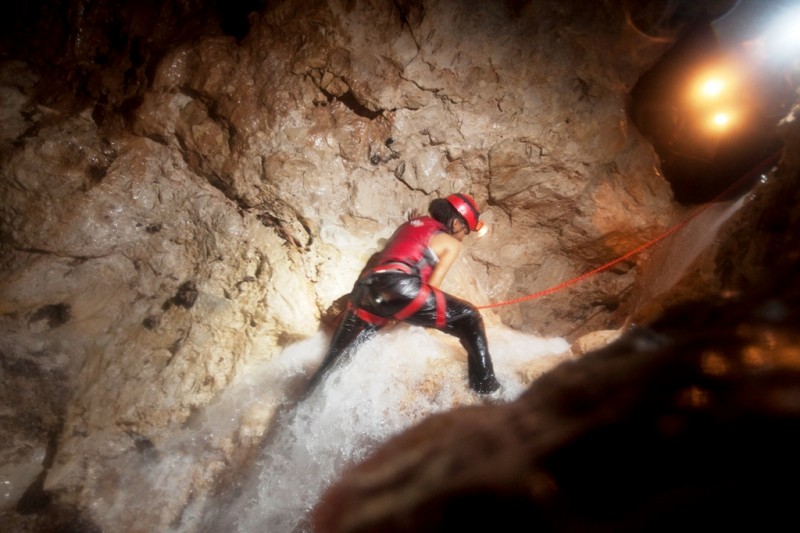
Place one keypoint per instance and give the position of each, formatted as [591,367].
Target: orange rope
[635,251]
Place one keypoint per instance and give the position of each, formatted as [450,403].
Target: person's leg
[350,331]
[390,294]
[462,320]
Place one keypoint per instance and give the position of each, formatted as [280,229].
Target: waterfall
[394,380]
[672,259]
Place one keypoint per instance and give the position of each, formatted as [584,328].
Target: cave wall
[184,192]
[688,422]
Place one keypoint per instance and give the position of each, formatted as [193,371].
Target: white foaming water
[671,260]
[393,381]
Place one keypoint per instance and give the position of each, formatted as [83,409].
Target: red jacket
[410,245]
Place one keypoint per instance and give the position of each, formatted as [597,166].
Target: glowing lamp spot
[712,88]
[722,119]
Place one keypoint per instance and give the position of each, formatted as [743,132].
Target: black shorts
[405,297]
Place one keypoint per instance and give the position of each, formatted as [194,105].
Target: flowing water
[393,381]
[672,259]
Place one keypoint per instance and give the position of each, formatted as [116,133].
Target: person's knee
[466,322]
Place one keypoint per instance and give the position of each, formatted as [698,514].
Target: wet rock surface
[189,188]
[689,421]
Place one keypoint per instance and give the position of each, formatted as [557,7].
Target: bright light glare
[712,88]
[783,39]
[721,120]
[716,98]
[713,84]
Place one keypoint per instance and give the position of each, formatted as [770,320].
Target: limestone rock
[186,189]
[594,341]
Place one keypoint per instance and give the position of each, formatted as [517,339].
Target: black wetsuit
[395,287]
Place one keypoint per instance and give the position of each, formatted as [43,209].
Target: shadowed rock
[691,422]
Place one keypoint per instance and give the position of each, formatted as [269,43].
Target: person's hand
[414,213]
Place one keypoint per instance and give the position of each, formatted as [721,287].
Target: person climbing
[401,282]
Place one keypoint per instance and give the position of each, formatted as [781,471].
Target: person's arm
[447,249]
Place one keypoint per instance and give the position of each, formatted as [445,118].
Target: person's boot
[479,363]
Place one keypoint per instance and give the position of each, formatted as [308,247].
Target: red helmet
[467,208]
